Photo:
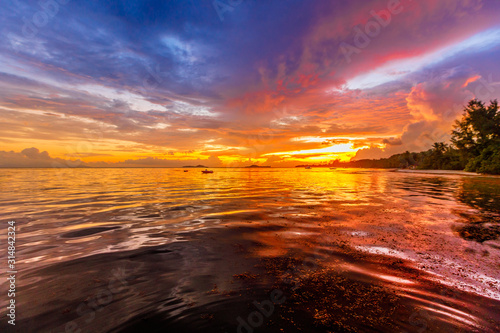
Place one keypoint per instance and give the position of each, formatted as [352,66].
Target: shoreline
[443,172]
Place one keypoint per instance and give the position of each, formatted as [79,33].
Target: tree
[487,162]
[477,129]
[477,137]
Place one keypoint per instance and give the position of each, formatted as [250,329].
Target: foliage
[487,162]
[478,129]
[477,137]
[443,157]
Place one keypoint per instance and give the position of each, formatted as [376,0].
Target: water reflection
[158,249]
[482,194]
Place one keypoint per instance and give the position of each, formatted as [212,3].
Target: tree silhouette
[477,137]
[479,126]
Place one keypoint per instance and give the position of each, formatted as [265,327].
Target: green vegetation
[477,137]
[474,147]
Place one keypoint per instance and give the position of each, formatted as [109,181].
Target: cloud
[171,77]
[336,129]
[443,96]
[392,141]
[33,158]
[370,153]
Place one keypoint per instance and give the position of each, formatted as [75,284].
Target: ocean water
[251,250]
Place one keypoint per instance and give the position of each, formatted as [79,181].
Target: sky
[238,82]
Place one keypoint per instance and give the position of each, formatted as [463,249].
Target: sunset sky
[229,83]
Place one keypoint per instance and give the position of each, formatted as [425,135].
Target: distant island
[474,147]
[258,166]
[195,166]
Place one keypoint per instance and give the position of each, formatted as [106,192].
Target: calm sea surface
[251,250]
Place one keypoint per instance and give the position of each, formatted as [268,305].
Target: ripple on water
[350,249]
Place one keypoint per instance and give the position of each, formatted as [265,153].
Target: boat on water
[308,167]
[207,171]
[186,170]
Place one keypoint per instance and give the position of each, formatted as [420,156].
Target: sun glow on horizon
[342,151]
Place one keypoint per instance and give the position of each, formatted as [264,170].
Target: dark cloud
[392,142]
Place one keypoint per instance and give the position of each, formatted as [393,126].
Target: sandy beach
[442,172]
